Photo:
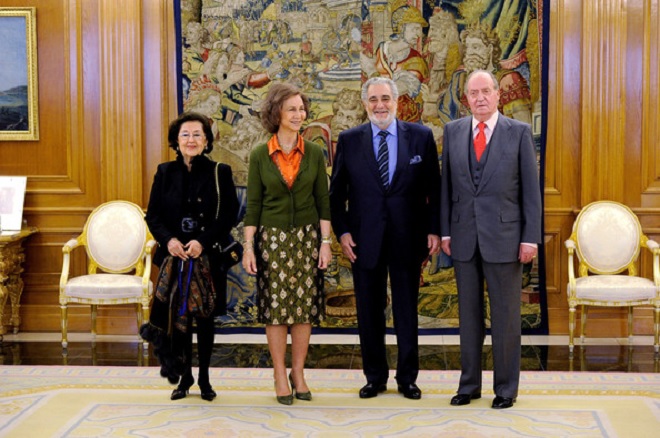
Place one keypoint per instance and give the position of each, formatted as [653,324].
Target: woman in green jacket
[287,235]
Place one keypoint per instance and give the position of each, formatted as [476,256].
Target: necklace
[287,148]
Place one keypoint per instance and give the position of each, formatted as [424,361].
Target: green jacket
[270,202]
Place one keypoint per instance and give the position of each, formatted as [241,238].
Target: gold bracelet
[327,240]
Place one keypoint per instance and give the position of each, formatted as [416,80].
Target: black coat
[167,209]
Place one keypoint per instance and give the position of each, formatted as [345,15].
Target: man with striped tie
[385,208]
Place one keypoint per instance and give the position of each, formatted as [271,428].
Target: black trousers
[371,299]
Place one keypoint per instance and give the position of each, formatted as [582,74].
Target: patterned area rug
[134,401]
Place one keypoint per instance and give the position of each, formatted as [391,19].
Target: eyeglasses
[196,136]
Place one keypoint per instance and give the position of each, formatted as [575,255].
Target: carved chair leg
[630,325]
[65,341]
[583,323]
[571,329]
[656,329]
[142,317]
[94,310]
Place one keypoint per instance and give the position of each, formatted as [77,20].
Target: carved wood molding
[604,33]
[121,98]
[651,98]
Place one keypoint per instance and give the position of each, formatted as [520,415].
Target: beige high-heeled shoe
[307,396]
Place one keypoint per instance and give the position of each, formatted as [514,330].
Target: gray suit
[489,208]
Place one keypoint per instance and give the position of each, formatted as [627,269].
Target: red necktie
[480,140]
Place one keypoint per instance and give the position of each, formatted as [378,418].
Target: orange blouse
[288,164]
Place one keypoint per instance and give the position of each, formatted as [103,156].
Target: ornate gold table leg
[15,287]
[4,293]
[10,278]
[12,257]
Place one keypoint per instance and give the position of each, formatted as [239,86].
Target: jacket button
[201,215]
[202,228]
[199,199]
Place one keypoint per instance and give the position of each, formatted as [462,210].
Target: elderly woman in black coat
[188,216]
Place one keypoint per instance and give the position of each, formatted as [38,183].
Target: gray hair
[377,81]
[496,84]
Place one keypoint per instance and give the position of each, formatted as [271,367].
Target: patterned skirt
[289,282]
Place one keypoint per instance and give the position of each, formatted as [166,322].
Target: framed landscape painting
[19,115]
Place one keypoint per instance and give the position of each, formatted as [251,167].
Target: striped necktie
[383,159]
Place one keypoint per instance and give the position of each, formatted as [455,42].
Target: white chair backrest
[608,236]
[116,235]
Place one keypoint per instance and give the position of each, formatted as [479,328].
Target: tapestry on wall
[233,50]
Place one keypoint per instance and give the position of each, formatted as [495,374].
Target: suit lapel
[368,155]
[402,153]
[461,156]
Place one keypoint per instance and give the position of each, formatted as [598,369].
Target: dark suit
[488,209]
[389,228]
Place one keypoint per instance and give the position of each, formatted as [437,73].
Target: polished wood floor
[539,353]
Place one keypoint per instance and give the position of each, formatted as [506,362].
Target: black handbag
[232,253]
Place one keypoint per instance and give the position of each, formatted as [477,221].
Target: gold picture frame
[19,94]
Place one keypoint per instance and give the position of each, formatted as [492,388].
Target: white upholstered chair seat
[607,238]
[617,288]
[112,288]
[118,246]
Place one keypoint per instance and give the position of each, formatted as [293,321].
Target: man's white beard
[383,123]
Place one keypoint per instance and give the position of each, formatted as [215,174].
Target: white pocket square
[416,159]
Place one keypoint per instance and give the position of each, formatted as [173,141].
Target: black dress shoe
[410,390]
[178,394]
[464,399]
[181,391]
[371,390]
[503,402]
[207,393]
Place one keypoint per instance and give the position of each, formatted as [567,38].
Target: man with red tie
[491,225]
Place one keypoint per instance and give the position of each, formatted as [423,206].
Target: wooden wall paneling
[650,102]
[120,69]
[558,225]
[159,86]
[54,164]
[633,109]
[93,135]
[603,99]
[13,154]
[562,160]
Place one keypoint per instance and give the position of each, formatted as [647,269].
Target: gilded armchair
[119,246]
[606,239]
